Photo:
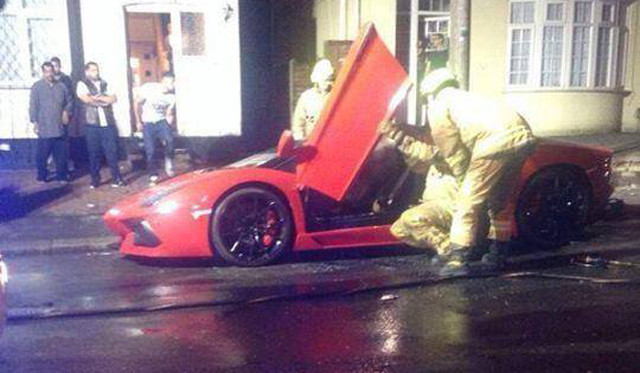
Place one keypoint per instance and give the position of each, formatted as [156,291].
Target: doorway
[149,45]
[422,44]
[201,46]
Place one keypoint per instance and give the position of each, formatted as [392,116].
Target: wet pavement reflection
[362,313]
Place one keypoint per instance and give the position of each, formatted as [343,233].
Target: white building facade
[569,66]
[133,42]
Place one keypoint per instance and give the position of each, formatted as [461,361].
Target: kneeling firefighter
[484,145]
[426,225]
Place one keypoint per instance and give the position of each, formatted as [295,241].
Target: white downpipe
[342,19]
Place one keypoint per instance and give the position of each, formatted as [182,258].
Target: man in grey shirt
[49,111]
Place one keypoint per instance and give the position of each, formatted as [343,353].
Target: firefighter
[427,225]
[484,144]
[312,100]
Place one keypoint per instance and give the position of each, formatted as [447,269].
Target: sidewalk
[52,218]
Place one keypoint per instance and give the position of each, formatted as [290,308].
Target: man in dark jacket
[49,112]
[65,79]
[97,114]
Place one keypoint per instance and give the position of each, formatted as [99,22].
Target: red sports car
[320,194]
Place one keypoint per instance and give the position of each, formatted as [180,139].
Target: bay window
[563,44]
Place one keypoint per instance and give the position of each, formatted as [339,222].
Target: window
[521,34]
[551,56]
[28,37]
[192,34]
[563,44]
[422,45]
[583,18]
[552,34]
[10,63]
[39,49]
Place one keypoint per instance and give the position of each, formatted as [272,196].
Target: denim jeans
[47,147]
[153,133]
[102,141]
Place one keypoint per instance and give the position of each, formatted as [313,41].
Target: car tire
[251,227]
[553,207]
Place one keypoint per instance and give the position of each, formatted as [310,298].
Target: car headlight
[167,207]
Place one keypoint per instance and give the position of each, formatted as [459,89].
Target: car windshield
[255,160]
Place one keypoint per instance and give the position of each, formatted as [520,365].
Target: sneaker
[168,167]
[117,183]
[153,180]
[41,181]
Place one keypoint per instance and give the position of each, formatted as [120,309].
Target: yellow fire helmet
[435,81]
[322,71]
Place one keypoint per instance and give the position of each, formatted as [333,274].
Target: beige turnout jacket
[466,126]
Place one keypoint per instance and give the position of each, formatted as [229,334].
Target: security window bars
[39,49]
[10,63]
[29,35]
[37,3]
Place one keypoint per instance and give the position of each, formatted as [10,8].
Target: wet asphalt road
[341,312]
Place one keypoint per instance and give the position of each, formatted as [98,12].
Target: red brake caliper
[271,229]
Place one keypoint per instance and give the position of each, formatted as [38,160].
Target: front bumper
[148,233]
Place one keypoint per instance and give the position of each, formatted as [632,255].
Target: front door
[370,85]
[199,42]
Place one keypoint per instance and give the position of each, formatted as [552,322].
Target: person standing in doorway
[437,53]
[97,114]
[49,112]
[155,115]
[66,80]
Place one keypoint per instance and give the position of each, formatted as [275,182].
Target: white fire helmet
[436,79]
[322,71]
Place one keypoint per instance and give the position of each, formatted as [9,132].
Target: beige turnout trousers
[427,225]
[487,189]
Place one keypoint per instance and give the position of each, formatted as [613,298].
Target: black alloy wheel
[251,227]
[553,208]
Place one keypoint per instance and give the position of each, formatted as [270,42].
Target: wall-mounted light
[227,11]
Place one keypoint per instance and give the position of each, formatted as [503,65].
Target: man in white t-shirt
[155,106]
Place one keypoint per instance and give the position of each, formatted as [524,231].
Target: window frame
[534,81]
[520,26]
